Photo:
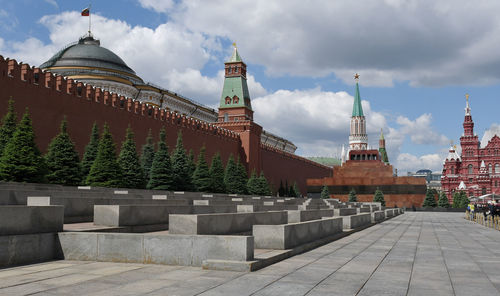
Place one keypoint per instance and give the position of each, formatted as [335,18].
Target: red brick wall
[53,97]
[278,165]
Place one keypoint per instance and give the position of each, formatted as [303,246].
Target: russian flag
[86,11]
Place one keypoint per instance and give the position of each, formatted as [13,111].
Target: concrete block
[280,200]
[256,197]
[133,215]
[245,208]
[78,245]
[237,199]
[38,201]
[120,192]
[84,188]
[27,248]
[269,203]
[202,202]
[30,219]
[378,216]
[286,236]
[389,213]
[232,195]
[122,247]
[363,210]
[159,197]
[345,211]
[178,192]
[207,195]
[355,221]
[307,215]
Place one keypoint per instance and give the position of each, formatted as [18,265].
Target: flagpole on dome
[86,12]
[90,20]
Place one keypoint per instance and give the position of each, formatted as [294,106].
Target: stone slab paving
[412,254]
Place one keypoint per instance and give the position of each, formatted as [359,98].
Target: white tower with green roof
[358,139]
[235,99]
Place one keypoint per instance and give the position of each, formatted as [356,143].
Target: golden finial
[356,76]
[454,147]
[467,97]
[234,44]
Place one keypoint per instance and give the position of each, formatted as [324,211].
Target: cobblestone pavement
[412,254]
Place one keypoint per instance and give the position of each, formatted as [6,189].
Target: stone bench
[355,221]
[286,236]
[308,215]
[225,223]
[30,219]
[345,211]
[185,250]
[363,210]
[389,213]
[378,216]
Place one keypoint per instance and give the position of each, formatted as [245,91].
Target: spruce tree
[287,189]
[161,169]
[296,189]
[201,175]
[105,171]
[263,185]
[181,177]
[291,192]
[217,175]
[90,152]
[379,197]
[192,162]
[242,178]
[253,184]
[430,200]
[21,160]
[147,155]
[281,189]
[9,122]
[325,193]
[231,176]
[456,200]
[443,201]
[464,200]
[133,175]
[63,163]
[352,196]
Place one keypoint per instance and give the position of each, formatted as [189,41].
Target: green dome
[88,58]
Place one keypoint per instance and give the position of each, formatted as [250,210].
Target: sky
[416,59]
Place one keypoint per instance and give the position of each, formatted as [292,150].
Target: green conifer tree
[133,175]
[21,160]
[161,169]
[456,200]
[379,197]
[464,200]
[147,155]
[430,200]
[281,189]
[9,122]
[287,189]
[253,184]
[291,192]
[181,171]
[90,152]
[443,201]
[264,188]
[105,171]
[242,178]
[63,163]
[296,189]
[231,176]
[352,196]
[201,176]
[325,192]
[217,184]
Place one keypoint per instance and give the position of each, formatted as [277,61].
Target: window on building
[235,69]
[470,180]
[226,117]
[483,191]
[496,183]
[228,100]
[452,171]
[497,168]
[229,70]
[236,100]
[470,169]
[490,168]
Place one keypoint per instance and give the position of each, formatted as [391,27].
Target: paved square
[413,254]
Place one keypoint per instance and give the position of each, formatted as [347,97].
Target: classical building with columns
[476,170]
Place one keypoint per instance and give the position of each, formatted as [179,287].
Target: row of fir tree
[21,161]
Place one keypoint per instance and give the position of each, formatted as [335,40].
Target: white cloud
[157,5]
[427,43]
[52,2]
[420,130]
[489,133]
[409,162]
[317,121]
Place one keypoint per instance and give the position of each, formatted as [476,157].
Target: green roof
[235,86]
[357,110]
[235,57]
[383,155]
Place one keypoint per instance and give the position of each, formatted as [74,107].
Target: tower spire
[357,138]
[467,107]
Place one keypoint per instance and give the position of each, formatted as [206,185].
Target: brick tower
[357,137]
[235,111]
